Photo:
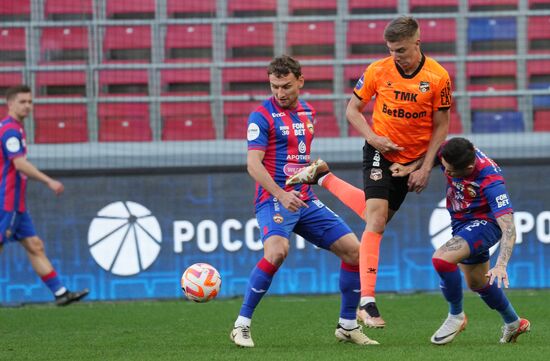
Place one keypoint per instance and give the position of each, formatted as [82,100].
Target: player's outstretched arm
[28,169]
[289,200]
[498,273]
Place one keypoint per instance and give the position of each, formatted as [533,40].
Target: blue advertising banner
[132,236]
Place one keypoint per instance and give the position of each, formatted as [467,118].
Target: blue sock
[495,298]
[350,287]
[258,284]
[451,284]
[54,283]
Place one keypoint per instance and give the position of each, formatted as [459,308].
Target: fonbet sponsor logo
[124,238]
[525,222]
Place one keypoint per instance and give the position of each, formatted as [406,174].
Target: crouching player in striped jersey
[280,132]
[482,215]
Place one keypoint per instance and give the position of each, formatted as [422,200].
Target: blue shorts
[15,226]
[318,224]
[480,235]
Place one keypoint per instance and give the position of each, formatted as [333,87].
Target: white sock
[243,321]
[365,300]
[512,325]
[320,180]
[460,316]
[60,291]
[347,324]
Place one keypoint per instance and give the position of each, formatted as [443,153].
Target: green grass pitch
[284,328]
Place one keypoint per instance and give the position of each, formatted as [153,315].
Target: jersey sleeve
[365,88]
[12,144]
[257,132]
[443,95]
[498,198]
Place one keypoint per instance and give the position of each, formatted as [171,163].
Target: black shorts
[378,181]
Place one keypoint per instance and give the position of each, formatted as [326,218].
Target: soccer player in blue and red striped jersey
[15,222]
[482,216]
[280,132]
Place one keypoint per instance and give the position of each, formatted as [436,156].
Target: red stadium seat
[433,6]
[15,10]
[60,123]
[235,127]
[247,8]
[187,121]
[438,36]
[68,9]
[488,77]
[240,108]
[311,39]
[8,80]
[492,5]
[539,4]
[490,73]
[309,7]
[352,73]
[322,106]
[246,81]
[191,9]
[127,43]
[124,122]
[64,44]
[366,39]
[12,46]
[185,81]
[142,9]
[61,83]
[372,7]
[188,43]
[123,82]
[318,79]
[538,34]
[538,71]
[541,121]
[451,69]
[250,41]
[326,125]
[455,125]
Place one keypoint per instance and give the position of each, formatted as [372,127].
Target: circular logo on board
[124,238]
[440,226]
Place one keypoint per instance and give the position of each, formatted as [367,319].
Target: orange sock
[352,197]
[368,262]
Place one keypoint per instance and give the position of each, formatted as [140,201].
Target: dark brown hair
[283,65]
[459,152]
[14,90]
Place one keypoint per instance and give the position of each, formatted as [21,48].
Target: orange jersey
[404,104]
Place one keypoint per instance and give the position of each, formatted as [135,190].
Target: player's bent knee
[442,265]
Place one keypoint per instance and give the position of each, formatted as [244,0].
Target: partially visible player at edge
[482,215]
[15,222]
[280,132]
[410,120]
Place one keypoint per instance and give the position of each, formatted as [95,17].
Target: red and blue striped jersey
[482,195]
[285,135]
[14,184]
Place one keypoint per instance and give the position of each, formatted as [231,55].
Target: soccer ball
[201,282]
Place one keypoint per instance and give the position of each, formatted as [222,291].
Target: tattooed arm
[506,223]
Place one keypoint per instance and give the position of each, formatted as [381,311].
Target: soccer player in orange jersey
[410,120]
